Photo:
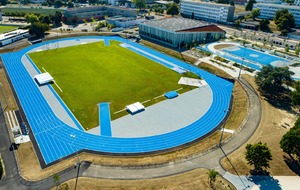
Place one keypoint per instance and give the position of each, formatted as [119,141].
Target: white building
[297,2]
[124,22]
[269,1]
[177,32]
[10,37]
[267,11]
[207,11]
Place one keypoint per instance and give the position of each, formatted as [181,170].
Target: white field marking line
[8,118]
[146,101]
[178,89]
[227,130]
[12,118]
[158,97]
[44,69]
[16,120]
[119,111]
[58,87]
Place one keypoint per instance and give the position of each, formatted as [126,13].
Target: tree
[287,48]
[237,23]
[176,1]
[212,175]
[38,29]
[3,2]
[270,79]
[45,19]
[231,2]
[70,4]
[296,94]
[31,18]
[57,18]
[297,50]
[249,5]
[284,20]
[94,2]
[290,142]
[255,13]
[58,3]
[173,9]
[258,155]
[140,4]
[264,24]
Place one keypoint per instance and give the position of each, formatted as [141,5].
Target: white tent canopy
[43,78]
[134,108]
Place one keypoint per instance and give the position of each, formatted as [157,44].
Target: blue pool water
[253,55]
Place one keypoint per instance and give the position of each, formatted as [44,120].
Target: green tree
[264,24]
[287,48]
[258,155]
[290,142]
[297,50]
[38,29]
[212,175]
[45,19]
[255,13]
[140,4]
[237,23]
[70,4]
[57,18]
[173,9]
[122,2]
[231,2]
[296,94]
[58,3]
[3,2]
[270,79]
[176,1]
[284,20]
[249,5]
[31,18]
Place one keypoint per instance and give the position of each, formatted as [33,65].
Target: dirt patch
[196,179]
[270,131]
[221,46]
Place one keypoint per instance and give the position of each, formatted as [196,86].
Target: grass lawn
[29,10]
[93,73]
[6,28]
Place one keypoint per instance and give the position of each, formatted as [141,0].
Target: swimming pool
[248,57]
[254,55]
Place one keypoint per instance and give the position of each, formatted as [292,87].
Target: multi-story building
[267,11]
[269,1]
[98,12]
[297,2]
[176,32]
[207,11]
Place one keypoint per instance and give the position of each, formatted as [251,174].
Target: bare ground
[221,46]
[196,179]
[274,124]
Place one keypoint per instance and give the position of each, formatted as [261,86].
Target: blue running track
[57,140]
[104,117]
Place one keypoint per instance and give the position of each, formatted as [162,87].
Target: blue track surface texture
[104,117]
[57,140]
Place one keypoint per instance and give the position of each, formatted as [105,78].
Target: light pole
[78,161]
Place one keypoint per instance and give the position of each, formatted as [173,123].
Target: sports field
[92,73]
[7,28]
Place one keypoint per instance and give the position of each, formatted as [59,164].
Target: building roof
[205,3]
[182,25]
[8,35]
[286,6]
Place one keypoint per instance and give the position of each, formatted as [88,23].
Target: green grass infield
[92,73]
[7,28]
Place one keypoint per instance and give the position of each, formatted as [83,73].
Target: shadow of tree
[282,100]
[265,182]
[293,164]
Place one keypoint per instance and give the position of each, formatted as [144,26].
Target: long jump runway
[57,139]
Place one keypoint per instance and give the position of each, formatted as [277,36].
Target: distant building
[124,22]
[269,1]
[207,11]
[98,12]
[177,32]
[240,2]
[10,37]
[267,11]
[297,2]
